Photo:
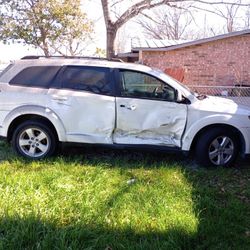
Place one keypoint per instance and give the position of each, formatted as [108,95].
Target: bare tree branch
[217,3]
[137,8]
[167,23]
[229,13]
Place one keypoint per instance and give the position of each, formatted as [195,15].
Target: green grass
[106,199]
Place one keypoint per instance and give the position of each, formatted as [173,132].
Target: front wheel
[217,147]
[34,140]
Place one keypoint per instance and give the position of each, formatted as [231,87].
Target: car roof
[81,62]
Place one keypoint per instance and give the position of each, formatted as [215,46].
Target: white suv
[44,101]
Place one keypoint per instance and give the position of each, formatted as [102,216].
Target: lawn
[96,198]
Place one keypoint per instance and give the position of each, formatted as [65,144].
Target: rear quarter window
[4,70]
[87,78]
[37,76]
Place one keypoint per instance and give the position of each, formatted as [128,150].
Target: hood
[221,105]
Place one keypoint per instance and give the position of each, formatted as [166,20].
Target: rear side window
[92,79]
[39,76]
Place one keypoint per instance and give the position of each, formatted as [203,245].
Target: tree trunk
[230,24]
[111,30]
[111,34]
[44,46]
[46,51]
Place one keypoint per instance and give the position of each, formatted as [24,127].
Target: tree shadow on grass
[127,157]
[222,225]
[32,233]
[149,156]
[94,154]
[220,200]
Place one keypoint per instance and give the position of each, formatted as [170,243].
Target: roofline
[31,57]
[196,42]
[79,62]
[129,54]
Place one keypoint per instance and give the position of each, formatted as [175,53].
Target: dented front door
[146,114]
[149,122]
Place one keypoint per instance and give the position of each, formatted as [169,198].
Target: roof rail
[74,57]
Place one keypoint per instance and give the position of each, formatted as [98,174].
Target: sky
[129,31]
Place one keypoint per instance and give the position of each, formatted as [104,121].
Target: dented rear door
[147,112]
[85,103]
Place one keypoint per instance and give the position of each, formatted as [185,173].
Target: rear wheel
[34,140]
[217,147]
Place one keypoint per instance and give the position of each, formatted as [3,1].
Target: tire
[217,147]
[34,139]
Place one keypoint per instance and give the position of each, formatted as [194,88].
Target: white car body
[84,117]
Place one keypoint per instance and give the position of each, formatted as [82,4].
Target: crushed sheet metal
[152,122]
[147,137]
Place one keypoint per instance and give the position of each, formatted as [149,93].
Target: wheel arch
[25,112]
[242,143]
[25,117]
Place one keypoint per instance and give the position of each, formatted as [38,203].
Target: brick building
[222,60]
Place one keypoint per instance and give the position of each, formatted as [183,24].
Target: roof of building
[154,43]
[163,45]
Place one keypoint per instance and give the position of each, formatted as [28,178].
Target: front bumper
[246,140]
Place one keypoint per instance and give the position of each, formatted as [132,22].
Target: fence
[239,94]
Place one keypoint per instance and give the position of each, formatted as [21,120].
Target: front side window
[92,79]
[141,85]
[37,76]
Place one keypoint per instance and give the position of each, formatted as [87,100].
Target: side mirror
[179,97]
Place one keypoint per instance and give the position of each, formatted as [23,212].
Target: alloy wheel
[34,142]
[221,150]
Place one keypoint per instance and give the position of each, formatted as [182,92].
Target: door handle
[132,107]
[59,98]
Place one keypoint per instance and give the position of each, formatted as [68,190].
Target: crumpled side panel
[151,122]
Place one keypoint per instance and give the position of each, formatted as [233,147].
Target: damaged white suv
[44,101]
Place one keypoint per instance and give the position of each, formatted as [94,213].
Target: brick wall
[222,62]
